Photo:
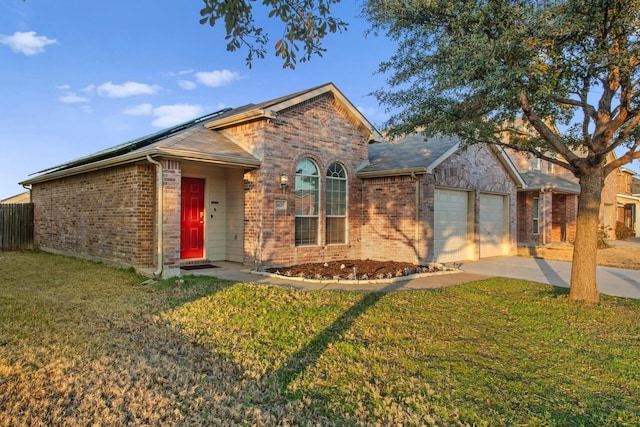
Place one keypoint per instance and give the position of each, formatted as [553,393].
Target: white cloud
[126,89]
[187,84]
[89,89]
[216,78]
[72,98]
[171,115]
[139,110]
[63,87]
[27,43]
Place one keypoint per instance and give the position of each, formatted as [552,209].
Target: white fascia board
[508,164]
[141,155]
[437,162]
[392,172]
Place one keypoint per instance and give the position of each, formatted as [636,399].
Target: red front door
[192,218]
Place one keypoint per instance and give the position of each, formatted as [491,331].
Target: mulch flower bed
[354,270]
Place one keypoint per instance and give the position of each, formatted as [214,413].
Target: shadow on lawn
[308,355]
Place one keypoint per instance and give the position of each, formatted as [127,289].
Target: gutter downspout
[28,188]
[159,227]
[417,227]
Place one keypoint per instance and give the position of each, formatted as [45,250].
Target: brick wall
[172,179]
[477,168]
[389,219]
[390,230]
[320,130]
[107,214]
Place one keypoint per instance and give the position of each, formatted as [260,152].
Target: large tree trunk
[583,272]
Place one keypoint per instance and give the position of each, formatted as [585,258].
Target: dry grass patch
[81,343]
[613,256]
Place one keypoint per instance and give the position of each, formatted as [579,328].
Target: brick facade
[107,214]
[390,230]
[558,211]
[319,130]
[111,213]
[478,169]
[171,171]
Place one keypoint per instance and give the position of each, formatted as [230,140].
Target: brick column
[172,176]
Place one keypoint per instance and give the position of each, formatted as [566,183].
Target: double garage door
[453,225]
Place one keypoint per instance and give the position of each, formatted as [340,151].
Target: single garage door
[451,230]
[492,225]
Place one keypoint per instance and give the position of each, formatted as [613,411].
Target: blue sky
[78,76]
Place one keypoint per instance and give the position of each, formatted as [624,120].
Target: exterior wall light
[284,181]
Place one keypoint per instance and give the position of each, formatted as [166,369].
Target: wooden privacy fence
[16,226]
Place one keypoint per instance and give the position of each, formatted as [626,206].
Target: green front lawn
[81,342]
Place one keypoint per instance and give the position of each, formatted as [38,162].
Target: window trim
[536,164]
[316,204]
[536,216]
[344,216]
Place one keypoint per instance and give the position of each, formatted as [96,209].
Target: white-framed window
[536,164]
[536,215]
[307,195]
[336,199]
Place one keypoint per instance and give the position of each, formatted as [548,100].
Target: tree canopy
[305,24]
[557,79]
[472,68]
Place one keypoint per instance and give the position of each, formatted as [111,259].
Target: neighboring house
[17,199]
[302,178]
[635,186]
[548,203]
[628,213]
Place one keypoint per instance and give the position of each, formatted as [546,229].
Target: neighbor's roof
[411,154]
[18,198]
[536,180]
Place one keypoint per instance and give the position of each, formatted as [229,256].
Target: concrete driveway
[611,281]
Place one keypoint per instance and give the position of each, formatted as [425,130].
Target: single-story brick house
[302,178]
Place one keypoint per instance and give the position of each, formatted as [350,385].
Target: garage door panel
[491,225]
[450,225]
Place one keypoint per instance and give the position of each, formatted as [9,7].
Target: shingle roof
[411,153]
[536,180]
[136,144]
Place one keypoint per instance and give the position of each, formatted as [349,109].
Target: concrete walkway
[611,281]
[232,271]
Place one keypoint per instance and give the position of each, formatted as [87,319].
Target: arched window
[307,192]
[336,196]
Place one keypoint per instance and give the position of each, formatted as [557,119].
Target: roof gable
[410,154]
[270,110]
